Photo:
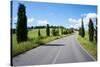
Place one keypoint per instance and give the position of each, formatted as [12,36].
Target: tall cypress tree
[61,31]
[82,29]
[48,30]
[91,30]
[96,31]
[21,24]
[39,34]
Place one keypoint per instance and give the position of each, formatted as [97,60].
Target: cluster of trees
[22,29]
[92,30]
[39,33]
[55,31]
[67,31]
[41,27]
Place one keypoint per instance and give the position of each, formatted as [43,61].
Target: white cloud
[42,22]
[72,20]
[87,16]
[76,23]
[30,20]
[90,15]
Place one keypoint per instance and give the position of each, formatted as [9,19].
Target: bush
[55,32]
[39,34]
[65,32]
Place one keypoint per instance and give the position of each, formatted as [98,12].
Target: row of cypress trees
[21,28]
[91,30]
[47,31]
[55,31]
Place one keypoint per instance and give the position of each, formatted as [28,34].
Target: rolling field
[32,42]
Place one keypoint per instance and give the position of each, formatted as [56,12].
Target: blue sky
[67,15]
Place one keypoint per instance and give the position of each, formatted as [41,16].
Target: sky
[67,15]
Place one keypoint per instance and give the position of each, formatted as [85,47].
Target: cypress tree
[61,31]
[91,30]
[53,32]
[82,29]
[39,34]
[48,30]
[58,31]
[96,31]
[21,28]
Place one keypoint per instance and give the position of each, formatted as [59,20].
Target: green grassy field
[32,42]
[91,47]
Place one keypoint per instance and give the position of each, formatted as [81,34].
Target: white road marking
[54,61]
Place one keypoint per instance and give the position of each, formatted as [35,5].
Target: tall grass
[33,41]
[91,47]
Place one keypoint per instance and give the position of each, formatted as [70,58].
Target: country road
[63,50]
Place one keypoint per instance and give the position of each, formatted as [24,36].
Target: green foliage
[39,34]
[48,30]
[58,31]
[55,32]
[32,42]
[70,30]
[91,30]
[65,32]
[96,31]
[21,24]
[82,30]
[62,31]
[91,47]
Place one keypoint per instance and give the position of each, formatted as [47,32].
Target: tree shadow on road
[53,45]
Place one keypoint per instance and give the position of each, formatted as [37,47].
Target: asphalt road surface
[64,50]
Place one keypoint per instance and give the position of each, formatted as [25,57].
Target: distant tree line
[40,27]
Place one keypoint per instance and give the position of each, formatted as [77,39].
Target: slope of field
[33,41]
[91,47]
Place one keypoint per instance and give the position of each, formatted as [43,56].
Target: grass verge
[19,48]
[91,47]
[33,41]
